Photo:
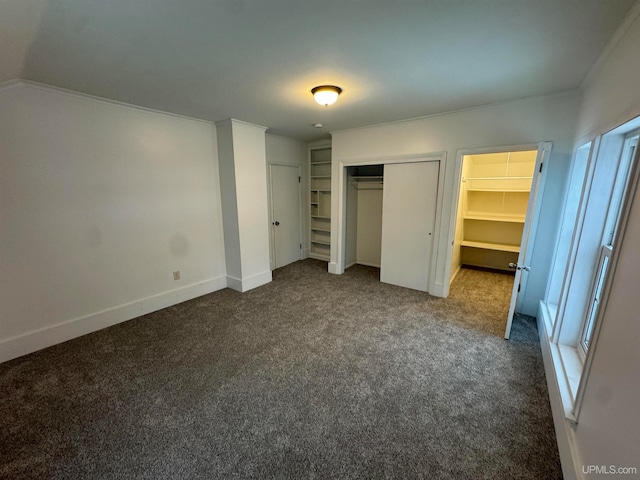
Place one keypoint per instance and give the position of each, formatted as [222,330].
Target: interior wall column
[243,186]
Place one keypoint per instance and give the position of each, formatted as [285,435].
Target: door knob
[276,223]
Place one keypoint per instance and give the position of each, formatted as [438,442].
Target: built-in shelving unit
[494,199]
[320,202]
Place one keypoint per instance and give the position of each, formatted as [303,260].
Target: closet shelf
[321,217]
[315,229]
[367,178]
[320,176]
[320,189]
[320,242]
[495,217]
[491,246]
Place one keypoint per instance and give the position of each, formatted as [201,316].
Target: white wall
[245,203]
[608,426]
[456,257]
[287,151]
[611,90]
[516,123]
[369,241]
[99,204]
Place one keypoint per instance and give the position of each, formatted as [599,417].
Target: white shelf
[495,217]
[320,203]
[491,246]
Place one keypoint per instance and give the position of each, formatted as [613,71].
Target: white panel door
[408,220]
[524,256]
[285,214]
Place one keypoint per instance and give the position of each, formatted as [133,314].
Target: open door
[523,265]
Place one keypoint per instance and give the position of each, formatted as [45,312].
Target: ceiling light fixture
[326,94]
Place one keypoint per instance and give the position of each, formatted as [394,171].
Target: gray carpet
[312,376]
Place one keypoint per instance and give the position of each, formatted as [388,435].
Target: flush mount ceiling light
[326,94]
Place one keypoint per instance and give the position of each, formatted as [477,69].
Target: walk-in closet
[492,209]
[495,190]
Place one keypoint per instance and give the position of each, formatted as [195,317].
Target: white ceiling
[257,60]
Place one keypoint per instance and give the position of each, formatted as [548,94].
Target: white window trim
[571,364]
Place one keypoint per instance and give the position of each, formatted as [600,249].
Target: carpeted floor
[312,376]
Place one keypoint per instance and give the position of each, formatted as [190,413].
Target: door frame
[272,242]
[339,206]
[532,217]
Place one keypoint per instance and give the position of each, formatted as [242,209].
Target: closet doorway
[493,222]
[390,220]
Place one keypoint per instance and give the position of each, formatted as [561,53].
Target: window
[611,223]
[586,246]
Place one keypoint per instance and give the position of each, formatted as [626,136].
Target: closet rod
[464,179]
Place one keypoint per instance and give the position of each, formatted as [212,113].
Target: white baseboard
[569,458]
[248,283]
[455,274]
[437,290]
[61,332]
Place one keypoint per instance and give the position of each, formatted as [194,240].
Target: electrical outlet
[176,275]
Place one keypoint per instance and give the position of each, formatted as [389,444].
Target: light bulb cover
[326,94]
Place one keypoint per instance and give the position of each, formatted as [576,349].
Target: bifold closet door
[408,220]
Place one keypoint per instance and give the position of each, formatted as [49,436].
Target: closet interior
[364,215]
[492,208]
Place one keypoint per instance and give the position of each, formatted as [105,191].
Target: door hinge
[519,285]
[299,179]
[541,167]
[300,246]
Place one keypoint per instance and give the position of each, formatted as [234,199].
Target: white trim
[613,42]
[61,332]
[248,283]
[339,206]
[320,144]
[438,289]
[86,96]
[530,98]
[565,434]
[454,275]
[618,241]
[451,231]
[234,121]
[10,83]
